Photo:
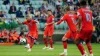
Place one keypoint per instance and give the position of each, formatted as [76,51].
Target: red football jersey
[71,21]
[0,34]
[31,25]
[50,19]
[86,15]
[5,33]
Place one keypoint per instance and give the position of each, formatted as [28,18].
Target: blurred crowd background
[37,8]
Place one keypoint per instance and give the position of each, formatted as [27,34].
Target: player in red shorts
[49,30]
[85,27]
[70,17]
[33,32]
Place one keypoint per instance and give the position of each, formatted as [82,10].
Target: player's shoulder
[75,15]
[52,16]
[65,15]
[32,20]
[80,9]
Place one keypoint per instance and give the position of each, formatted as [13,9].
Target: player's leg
[50,34]
[64,40]
[32,43]
[89,46]
[64,46]
[45,40]
[80,47]
[88,42]
[32,36]
[51,43]
[28,41]
[36,37]
[78,40]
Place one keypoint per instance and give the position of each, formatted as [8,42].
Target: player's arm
[79,23]
[37,22]
[61,20]
[18,21]
[79,20]
[50,23]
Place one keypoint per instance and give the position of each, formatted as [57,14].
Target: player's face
[28,18]
[49,13]
[73,12]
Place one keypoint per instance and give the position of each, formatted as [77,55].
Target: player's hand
[16,19]
[37,22]
[46,24]
[78,30]
[56,23]
[44,28]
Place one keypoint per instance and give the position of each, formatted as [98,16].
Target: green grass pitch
[19,50]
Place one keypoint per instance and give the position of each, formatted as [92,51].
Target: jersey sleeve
[79,12]
[52,18]
[33,21]
[25,22]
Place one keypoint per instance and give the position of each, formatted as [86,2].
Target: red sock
[65,44]
[32,43]
[28,40]
[89,46]
[51,43]
[80,47]
[45,42]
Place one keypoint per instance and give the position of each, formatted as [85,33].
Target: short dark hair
[83,3]
[49,10]
[78,4]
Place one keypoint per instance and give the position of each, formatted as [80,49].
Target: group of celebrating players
[80,29]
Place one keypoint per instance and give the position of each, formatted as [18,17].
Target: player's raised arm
[25,22]
[18,21]
[37,22]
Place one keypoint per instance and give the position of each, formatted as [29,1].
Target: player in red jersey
[33,31]
[85,27]
[49,30]
[70,17]
[15,36]
[5,35]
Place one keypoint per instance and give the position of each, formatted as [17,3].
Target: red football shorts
[70,34]
[33,34]
[48,32]
[85,34]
